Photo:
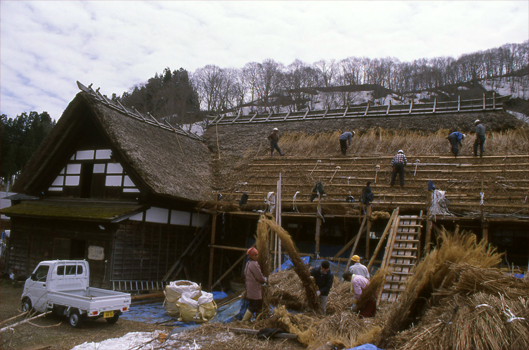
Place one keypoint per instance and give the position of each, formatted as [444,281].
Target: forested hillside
[299,85]
[20,137]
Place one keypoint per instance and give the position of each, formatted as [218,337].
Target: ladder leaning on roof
[401,255]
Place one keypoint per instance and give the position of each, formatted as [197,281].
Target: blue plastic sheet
[154,313]
[365,347]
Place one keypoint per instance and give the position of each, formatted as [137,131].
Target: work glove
[266,280]
[318,293]
[354,305]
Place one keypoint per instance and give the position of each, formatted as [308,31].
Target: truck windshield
[41,273]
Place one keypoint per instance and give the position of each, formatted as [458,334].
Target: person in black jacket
[367,194]
[323,277]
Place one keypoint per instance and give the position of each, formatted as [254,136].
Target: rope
[318,161]
[294,206]
[482,196]
[337,168]
[417,161]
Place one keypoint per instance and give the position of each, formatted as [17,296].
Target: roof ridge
[134,114]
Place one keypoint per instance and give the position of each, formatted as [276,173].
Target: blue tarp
[154,313]
[365,347]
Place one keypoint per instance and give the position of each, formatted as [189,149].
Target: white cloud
[47,45]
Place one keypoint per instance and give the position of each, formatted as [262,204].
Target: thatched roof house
[116,187]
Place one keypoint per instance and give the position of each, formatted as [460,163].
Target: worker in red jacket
[254,283]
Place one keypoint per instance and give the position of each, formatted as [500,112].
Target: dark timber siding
[146,251]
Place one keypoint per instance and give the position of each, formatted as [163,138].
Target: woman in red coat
[254,282]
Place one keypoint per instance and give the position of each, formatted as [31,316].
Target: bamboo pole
[212,248]
[384,234]
[345,247]
[21,322]
[229,270]
[356,242]
[368,228]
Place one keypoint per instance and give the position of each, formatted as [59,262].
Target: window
[41,273]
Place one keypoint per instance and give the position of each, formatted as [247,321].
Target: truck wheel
[113,319]
[26,305]
[75,319]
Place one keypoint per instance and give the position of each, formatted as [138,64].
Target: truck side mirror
[33,277]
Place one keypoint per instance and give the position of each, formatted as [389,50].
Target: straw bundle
[285,289]
[479,321]
[380,215]
[432,273]
[373,288]
[299,267]
[340,297]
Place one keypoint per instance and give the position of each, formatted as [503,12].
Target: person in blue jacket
[455,141]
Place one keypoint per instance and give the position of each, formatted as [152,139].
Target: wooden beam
[368,228]
[356,242]
[229,270]
[384,234]
[345,247]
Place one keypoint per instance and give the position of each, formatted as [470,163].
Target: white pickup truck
[61,286]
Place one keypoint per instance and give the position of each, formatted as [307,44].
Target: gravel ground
[53,332]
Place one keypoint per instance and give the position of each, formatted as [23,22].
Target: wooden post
[317,238]
[484,102]
[434,105]
[458,103]
[485,230]
[494,100]
[389,107]
[212,249]
[278,220]
[411,107]
[368,228]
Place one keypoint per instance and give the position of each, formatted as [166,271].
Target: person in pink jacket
[358,284]
[254,283]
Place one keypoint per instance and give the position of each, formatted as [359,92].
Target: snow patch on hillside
[520,116]
[515,86]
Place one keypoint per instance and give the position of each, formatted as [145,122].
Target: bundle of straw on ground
[299,267]
[433,273]
[373,288]
[285,288]
[340,297]
[478,321]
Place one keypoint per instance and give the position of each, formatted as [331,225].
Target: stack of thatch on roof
[458,300]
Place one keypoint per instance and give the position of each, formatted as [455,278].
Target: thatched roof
[163,160]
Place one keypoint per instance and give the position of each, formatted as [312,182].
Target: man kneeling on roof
[358,284]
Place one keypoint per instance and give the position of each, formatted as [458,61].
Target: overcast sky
[46,46]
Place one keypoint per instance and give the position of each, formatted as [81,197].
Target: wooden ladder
[401,255]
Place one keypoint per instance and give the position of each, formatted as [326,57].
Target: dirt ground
[53,332]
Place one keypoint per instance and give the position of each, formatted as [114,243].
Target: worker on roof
[455,141]
[357,268]
[346,138]
[274,139]
[358,285]
[367,194]
[480,138]
[398,163]
[323,277]
[254,283]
